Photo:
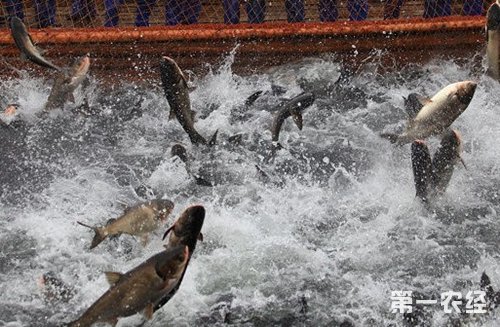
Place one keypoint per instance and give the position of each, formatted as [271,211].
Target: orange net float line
[248,31]
[133,52]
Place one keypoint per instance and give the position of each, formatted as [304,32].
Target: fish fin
[200,237]
[169,284]
[40,50]
[148,311]
[463,162]
[213,139]
[113,277]
[183,77]
[168,231]
[297,119]
[252,98]
[144,239]
[485,281]
[393,138]
[98,237]
[172,115]
[413,104]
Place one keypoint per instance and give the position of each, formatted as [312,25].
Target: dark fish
[422,168]
[294,108]
[177,94]
[493,40]
[445,159]
[185,231]
[25,44]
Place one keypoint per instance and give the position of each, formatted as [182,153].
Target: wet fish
[66,82]
[186,231]
[294,108]
[177,94]
[138,289]
[139,221]
[422,168]
[437,114]
[25,44]
[493,40]
[445,159]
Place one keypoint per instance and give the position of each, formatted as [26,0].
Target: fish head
[171,263]
[493,17]
[17,25]
[79,70]
[465,91]
[163,207]
[187,228]
[170,71]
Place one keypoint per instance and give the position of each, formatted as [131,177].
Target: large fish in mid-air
[436,114]
[137,290]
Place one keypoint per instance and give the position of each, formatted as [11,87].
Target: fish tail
[213,139]
[99,236]
[393,138]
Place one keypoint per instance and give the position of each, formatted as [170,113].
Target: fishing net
[112,13]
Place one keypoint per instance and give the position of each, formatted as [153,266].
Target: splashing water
[323,239]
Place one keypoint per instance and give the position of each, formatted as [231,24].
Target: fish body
[25,44]
[137,290]
[138,221]
[294,108]
[445,159]
[66,82]
[186,231]
[177,94]
[493,40]
[437,114]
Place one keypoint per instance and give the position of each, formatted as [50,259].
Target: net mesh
[115,13]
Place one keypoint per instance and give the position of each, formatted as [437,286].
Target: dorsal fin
[113,277]
[414,103]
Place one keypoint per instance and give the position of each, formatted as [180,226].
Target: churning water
[321,239]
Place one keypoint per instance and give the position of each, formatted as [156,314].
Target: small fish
[25,44]
[294,108]
[139,221]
